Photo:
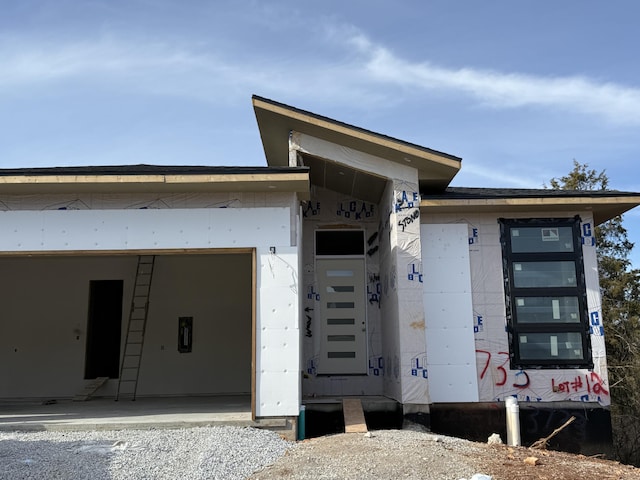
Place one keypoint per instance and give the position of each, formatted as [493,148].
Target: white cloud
[615,103]
[348,69]
[490,176]
[135,64]
[195,71]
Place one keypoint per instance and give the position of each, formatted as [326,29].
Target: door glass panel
[339,273]
[541,239]
[341,338]
[341,321]
[551,346]
[340,304]
[341,354]
[544,274]
[547,310]
[340,288]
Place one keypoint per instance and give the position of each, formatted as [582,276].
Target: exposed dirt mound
[402,454]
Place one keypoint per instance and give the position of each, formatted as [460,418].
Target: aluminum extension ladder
[130,367]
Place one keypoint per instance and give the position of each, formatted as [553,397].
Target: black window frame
[515,328]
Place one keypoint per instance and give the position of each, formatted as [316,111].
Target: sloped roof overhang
[276,121]
[155,178]
[604,204]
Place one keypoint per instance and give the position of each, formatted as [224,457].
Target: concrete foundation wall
[589,434]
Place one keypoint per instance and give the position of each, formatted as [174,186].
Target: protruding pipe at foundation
[302,423]
[513,421]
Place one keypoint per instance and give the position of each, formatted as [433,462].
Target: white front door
[343,344]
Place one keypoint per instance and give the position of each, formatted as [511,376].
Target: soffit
[348,181]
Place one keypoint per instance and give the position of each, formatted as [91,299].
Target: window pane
[544,274]
[551,346]
[541,239]
[547,310]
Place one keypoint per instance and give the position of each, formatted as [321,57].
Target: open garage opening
[49,321]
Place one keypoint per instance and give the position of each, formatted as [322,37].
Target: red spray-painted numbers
[524,383]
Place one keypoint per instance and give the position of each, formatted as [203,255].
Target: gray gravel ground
[232,453]
[197,453]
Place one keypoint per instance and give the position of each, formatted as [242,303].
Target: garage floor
[105,414]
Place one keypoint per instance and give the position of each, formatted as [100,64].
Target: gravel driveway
[228,453]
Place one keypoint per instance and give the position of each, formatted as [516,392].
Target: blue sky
[517,89]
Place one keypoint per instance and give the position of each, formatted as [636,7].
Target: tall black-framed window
[546,304]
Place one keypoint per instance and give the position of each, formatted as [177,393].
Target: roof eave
[297,182]
[603,208]
[276,121]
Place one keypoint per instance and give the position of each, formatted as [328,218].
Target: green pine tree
[620,291]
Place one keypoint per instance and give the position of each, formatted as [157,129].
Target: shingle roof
[143,169]
[355,128]
[604,204]
[469,193]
